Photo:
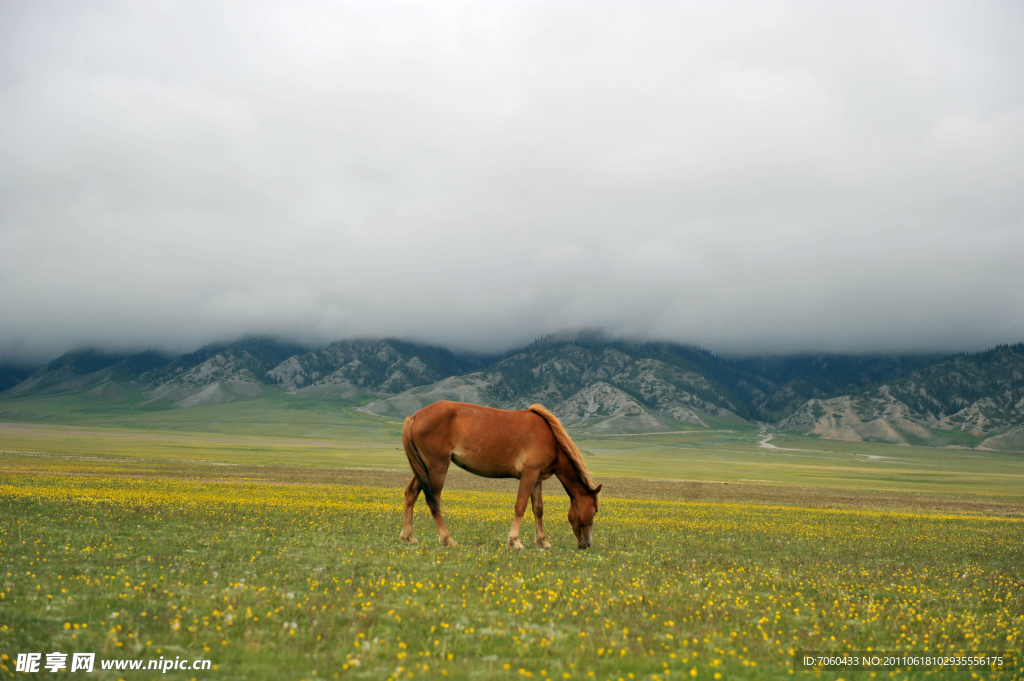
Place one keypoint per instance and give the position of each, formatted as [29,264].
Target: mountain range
[592,383]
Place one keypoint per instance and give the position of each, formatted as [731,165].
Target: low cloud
[759,177]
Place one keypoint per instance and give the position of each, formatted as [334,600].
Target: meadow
[273,552]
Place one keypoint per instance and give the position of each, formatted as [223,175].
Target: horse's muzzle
[584,540]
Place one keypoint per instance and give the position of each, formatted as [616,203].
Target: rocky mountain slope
[975,400]
[13,374]
[248,369]
[380,366]
[775,387]
[592,383]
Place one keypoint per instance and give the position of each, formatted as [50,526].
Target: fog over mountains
[595,384]
[757,176]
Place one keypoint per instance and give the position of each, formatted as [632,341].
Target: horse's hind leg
[411,492]
[538,514]
[437,478]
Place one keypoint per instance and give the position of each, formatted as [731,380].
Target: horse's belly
[485,469]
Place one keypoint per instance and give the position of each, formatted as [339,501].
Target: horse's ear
[596,490]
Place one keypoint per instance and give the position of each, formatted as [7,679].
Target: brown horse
[530,445]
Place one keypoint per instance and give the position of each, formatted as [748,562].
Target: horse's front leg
[526,483]
[411,492]
[538,514]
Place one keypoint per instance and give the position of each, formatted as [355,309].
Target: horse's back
[486,440]
[467,418]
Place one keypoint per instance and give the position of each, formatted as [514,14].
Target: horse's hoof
[544,544]
[449,542]
[517,545]
[409,540]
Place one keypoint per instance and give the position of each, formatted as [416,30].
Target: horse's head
[582,510]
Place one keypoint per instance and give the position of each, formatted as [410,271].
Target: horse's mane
[565,443]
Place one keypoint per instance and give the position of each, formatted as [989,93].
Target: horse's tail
[565,443]
[419,468]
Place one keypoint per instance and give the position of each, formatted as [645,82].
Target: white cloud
[749,176]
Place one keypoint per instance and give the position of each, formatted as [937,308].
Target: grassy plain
[264,537]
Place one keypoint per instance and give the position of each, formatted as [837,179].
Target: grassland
[264,538]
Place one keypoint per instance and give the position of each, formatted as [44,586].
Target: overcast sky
[762,177]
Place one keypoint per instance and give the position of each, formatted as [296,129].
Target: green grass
[708,547]
[276,414]
[302,582]
[281,431]
[957,437]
